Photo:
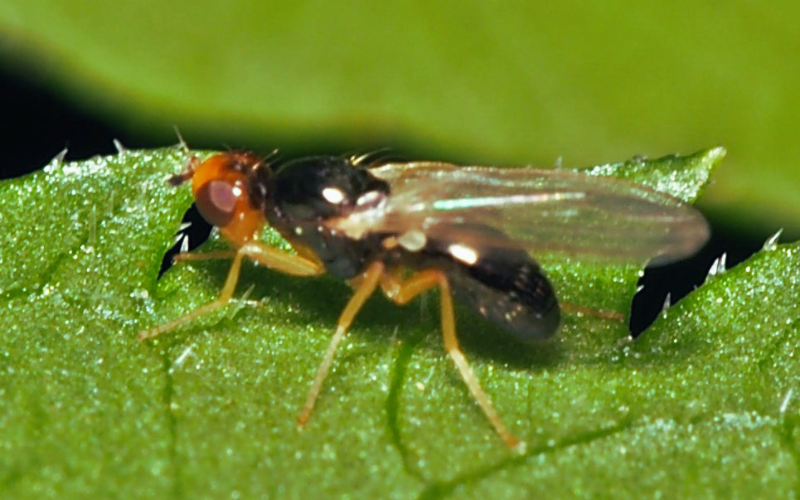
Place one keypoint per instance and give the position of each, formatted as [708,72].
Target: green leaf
[705,403]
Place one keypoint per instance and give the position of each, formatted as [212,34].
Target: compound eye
[217,200]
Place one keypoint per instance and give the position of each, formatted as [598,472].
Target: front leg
[264,254]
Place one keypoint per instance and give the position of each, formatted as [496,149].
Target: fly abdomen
[498,280]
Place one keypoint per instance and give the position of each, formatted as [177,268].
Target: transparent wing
[541,210]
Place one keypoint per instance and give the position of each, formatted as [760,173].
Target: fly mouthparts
[177,179]
[189,167]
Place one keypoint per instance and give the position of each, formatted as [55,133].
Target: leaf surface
[705,403]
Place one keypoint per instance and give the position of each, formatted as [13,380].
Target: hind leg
[402,291]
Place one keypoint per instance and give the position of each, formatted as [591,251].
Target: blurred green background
[497,82]
[492,82]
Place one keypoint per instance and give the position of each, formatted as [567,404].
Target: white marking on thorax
[333,195]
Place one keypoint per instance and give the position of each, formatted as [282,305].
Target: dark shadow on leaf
[325,298]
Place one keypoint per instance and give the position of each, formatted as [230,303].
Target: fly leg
[402,291]
[366,284]
[259,252]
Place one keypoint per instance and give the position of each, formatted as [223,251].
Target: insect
[405,228]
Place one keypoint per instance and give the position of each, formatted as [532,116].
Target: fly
[406,228]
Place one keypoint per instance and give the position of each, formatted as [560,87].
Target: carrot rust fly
[405,228]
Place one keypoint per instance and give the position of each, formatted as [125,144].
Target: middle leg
[367,283]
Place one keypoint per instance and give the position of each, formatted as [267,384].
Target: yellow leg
[403,291]
[270,257]
[295,265]
[367,283]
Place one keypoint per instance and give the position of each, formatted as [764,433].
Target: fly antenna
[181,143]
[188,165]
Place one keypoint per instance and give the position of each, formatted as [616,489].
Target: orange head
[230,191]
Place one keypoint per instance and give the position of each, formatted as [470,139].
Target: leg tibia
[402,291]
